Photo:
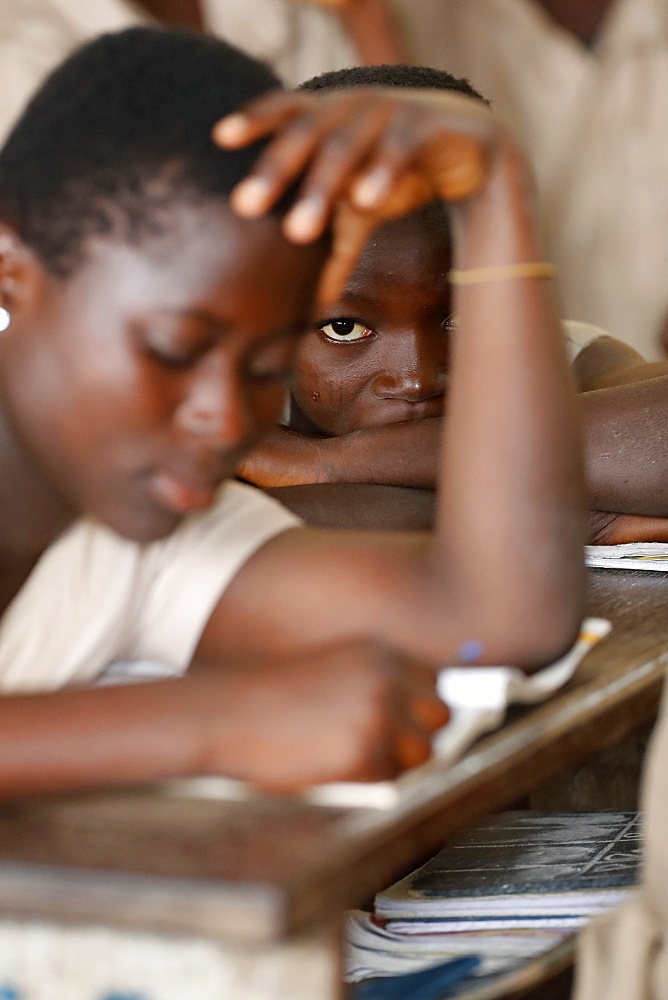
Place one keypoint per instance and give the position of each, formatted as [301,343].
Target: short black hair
[120,132]
[399,75]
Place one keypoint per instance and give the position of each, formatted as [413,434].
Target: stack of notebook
[499,895]
[634,555]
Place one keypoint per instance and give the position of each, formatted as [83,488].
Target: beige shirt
[623,955]
[36,35]
[95,597]
[596,125]
[298,40]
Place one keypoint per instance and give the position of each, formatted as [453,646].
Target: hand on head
[360,157]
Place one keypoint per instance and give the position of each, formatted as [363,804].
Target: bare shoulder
[607,362]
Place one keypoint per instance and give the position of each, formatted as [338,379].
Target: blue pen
[427,984]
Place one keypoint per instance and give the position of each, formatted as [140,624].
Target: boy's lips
[397,411]
[181,495]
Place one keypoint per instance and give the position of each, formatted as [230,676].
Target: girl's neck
[32,511]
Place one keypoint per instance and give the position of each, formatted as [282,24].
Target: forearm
[182,13]
[626,440]
[363,713]
[403,454]
[77,739]
[511,500]
[372,30]
[355,505]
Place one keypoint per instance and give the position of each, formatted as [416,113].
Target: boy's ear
[19,269]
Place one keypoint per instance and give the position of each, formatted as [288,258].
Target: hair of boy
[399,75]
[118,134]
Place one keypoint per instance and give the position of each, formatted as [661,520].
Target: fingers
[338,156]
[420,713]
[352,227]
[323,143]
[350,233]
[259,118]
[384,152]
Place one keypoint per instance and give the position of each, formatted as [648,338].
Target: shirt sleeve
[579,335]
[94,598]
[195,565]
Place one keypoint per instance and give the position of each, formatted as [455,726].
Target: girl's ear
[19,271]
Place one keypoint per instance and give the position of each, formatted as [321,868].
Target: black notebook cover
[521,853]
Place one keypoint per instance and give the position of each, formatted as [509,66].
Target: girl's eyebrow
[295,329]
[202,316]
[216,324]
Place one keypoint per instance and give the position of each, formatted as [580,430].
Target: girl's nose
[216,409]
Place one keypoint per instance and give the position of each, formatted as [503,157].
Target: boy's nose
[416,370]
[412,386]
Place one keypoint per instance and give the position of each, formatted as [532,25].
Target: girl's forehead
[244,273]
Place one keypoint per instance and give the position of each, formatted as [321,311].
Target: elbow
[545,624]
[530,619]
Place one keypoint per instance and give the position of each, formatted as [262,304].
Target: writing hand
[353,713]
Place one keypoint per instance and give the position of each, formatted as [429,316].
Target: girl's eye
[274,363]
[345,330]
[173,358]
[449,323]
[173,343]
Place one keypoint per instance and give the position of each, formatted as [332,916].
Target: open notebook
[636,555]
[478,698]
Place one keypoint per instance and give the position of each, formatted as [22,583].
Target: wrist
[500,224]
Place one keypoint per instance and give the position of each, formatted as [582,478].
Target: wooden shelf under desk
[263,870]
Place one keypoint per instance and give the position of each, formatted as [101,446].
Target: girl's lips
[179,495]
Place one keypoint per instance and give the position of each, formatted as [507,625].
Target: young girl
[149,331]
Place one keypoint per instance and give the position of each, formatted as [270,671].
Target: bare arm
[182,13]
[371,28]
[624,410]
[360,505]
[626,435]
[509,573]
[608,362]
[362,713]
[373,31]
[404,454]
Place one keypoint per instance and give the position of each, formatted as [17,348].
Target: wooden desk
[269,879]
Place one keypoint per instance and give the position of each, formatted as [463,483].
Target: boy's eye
[346,330]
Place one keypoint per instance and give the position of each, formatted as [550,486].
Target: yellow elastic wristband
[503,272]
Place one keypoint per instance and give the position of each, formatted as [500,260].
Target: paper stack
[636,555]
[503,892]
